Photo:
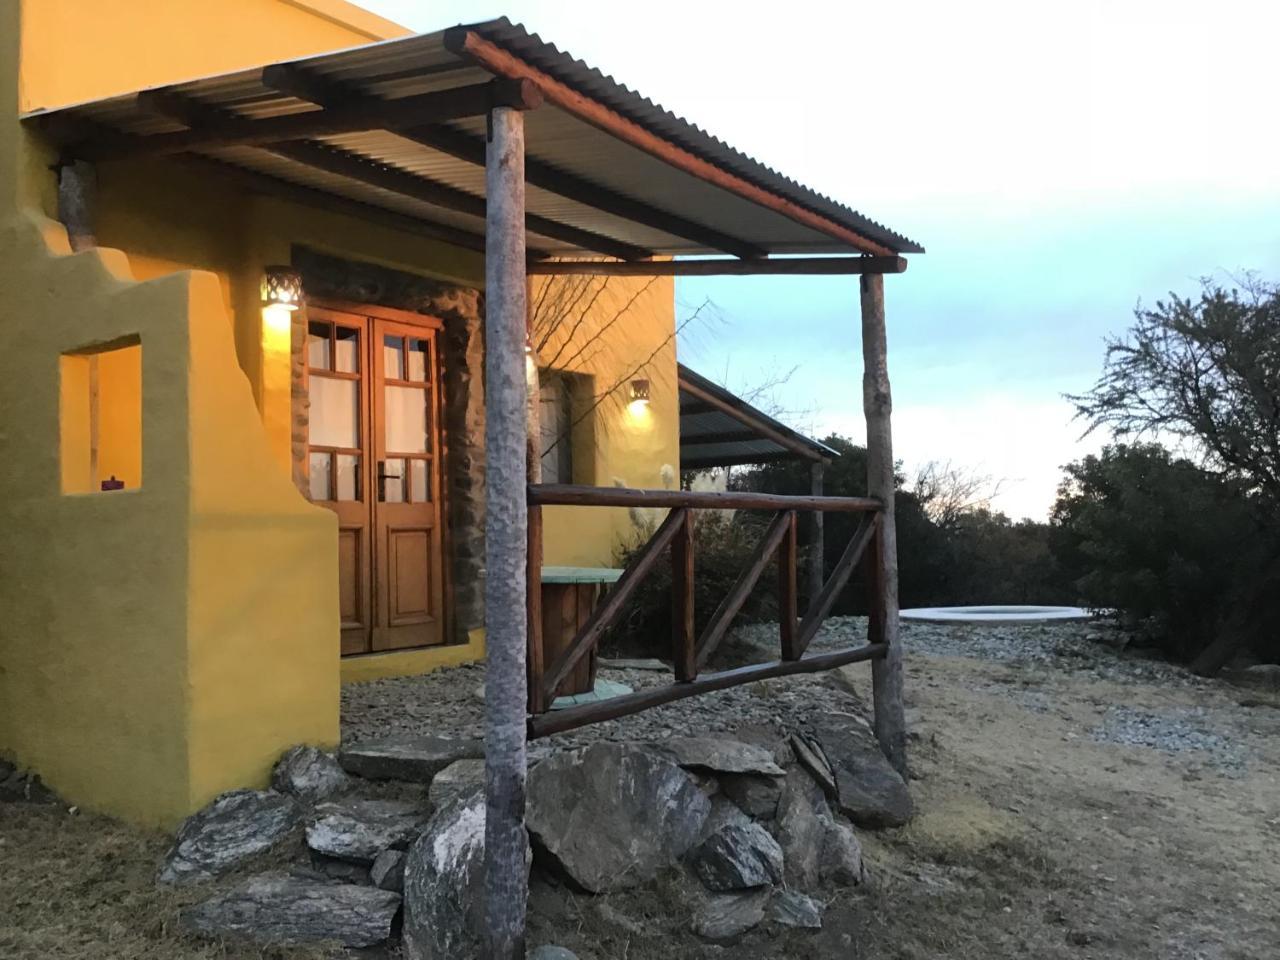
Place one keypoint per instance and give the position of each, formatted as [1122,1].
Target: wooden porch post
[505,691]
[817,545]
[877,405]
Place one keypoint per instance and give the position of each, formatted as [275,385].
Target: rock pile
[757,823]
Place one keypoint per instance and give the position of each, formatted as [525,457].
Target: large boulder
[359,830]
[756,795]
[234,827]
[309,774]
[285,910]
[869,791]
[737,854]
[387,871]
[790,908]
[817,848]
[415,759]
[727,916]
[840,861]
[444,883]
[801,827]
[611,816]
[718,755]
[460,776]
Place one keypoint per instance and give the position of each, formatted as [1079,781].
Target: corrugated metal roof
[421,64]
[736,432]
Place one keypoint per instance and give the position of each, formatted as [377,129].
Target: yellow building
[244,431]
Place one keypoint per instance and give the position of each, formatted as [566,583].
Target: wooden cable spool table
[569,594]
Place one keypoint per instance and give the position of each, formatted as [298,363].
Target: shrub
[1180,553]
[723,541]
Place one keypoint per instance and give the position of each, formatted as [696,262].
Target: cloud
[1019,443]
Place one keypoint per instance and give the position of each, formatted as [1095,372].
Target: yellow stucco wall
[167,642]
[631,322]
[80,50]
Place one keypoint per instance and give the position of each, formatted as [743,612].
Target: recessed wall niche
[100,417]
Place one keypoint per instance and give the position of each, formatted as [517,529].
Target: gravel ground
[449,702]
[1175,730]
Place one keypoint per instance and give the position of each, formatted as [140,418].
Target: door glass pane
[393,481]
[335,412]
[348,477]
[418,359]
[420,485]
[346,350]
[393,357]
[406,419]
[318,470]
[318,345]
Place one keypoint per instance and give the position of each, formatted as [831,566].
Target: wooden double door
[374,460]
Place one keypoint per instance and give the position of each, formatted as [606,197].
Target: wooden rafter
[356,167]
[793,266]
[728,436]
[228,129]
[353,166]
[262,183]
[467,43]
[763,430]
[297,82]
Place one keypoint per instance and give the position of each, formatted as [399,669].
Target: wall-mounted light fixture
[640,391]
[282,287]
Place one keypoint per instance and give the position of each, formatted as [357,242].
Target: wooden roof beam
[346,164]
[392,179]
[231,130]
[464,42]
[745,459]
[300,83]
[808,266]
[262,183]
[728,436]
[792,443]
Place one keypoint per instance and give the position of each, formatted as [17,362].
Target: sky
[1060,162]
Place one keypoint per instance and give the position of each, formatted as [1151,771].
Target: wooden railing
[689,652]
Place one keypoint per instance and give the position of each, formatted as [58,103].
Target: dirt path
[1035,839]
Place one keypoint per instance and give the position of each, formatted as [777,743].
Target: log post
[683,637]
[877,405]
[788,602]
[816,561]
[505,694]
[77,188]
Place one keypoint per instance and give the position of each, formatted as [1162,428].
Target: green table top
[580,575]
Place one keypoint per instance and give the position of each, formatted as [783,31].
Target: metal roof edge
[684,373]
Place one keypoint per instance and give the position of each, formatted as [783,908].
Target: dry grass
[82,887]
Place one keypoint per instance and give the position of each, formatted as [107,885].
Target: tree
[1175,549]
[1204,370]
[949,492]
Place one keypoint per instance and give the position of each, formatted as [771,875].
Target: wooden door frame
[378,312]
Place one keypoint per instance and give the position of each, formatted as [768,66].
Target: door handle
[383,477]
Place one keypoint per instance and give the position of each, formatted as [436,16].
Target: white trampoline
[996,615]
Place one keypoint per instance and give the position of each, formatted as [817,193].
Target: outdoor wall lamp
[640,391]
[282,287]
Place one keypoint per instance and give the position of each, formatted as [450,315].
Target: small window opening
[556,424]
[100,417]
